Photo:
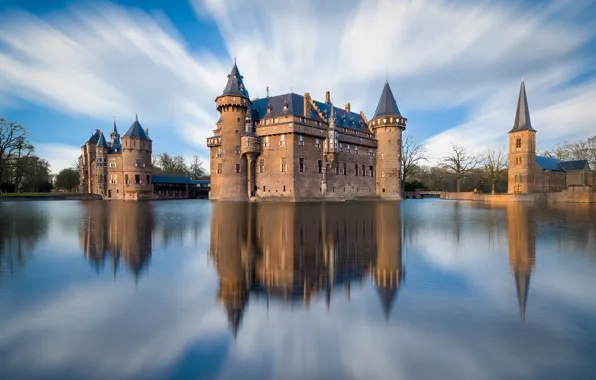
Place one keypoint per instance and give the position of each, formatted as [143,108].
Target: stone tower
[522,148]
[388,125]
[101,165]
[229,167]
[87,172]
[522,251]
[136,162]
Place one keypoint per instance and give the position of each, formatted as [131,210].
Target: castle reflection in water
[303,252]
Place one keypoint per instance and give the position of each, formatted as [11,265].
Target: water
[192,289]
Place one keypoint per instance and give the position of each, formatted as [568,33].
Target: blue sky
[70,66]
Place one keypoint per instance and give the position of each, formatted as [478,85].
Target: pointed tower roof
[101,143]
[387,105]
[136,130]
[235,85]
[115,130]
[522,285]
[387,297]
[94,137]
[522,115]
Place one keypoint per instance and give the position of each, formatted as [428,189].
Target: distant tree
[196,168]
[460,162]
[495,162]
[67,179]
[170,165]
[13,139]
[412,154]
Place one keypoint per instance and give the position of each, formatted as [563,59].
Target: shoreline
[18,197]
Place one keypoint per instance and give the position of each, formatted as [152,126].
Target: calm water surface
[192,289]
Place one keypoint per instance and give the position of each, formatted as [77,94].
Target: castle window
[219,152]
[382,156]
[284,185]
[348,148]
[126,179]
[300,140]
[382,173]
[364,170]
[356,171]
[356,149]
[341,147]
[320,167]
[301,165]
[267,141]
[345,169]
[317,143]
[137,179]
[282,140]
[336,167]
[284,167]
[237,168]
[219,169]
[139,163]
[237,150]
[261,166]
[371,170]
[518,144]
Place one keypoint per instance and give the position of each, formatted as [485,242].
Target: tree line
[176,166]
[21,170]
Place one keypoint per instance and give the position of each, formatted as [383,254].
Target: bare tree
[13,137]
[459,162]
[495,162]
[195,168]
[412,153]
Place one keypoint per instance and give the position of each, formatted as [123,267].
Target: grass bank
[47,196]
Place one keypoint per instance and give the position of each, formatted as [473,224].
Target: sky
[68,67]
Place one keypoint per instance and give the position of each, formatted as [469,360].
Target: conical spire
[136,130]
[522,285]
[235,85]
[101,143]
[387,297]
[387,105]
[522,115]
[115,130]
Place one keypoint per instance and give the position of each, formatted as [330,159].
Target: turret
[115,144]
[331,142]
[388,125]
[522,148]
[229,167]
[136,161]
[101,164]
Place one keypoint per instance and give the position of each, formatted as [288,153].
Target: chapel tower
[229,167]
[522,148]
[388,125]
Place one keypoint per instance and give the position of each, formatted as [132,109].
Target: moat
[355,290]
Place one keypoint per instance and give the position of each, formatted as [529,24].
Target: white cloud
[60,156]
[108,60]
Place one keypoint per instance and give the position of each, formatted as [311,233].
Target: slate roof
[235,85]
[94,137]
[295,107]
[102,141]
[387,105]
[136,131]
[522,114]
[549,163]
[574,165]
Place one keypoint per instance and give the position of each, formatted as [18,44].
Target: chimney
[147,131]
[348,107]
[307,106]
[327,97]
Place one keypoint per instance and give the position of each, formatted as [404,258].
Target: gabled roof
[235,85]
[549,163]
[522,115]
[101,143]
[574,165]
[387,105]
[295,106]
[136,130]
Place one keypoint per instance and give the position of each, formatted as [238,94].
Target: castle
[529,173]
[293,147]
[119,169]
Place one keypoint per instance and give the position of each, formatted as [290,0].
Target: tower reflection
[117,231]
[295,252]
[521,233]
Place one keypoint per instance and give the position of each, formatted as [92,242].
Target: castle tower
[101,165]
[522,251]
[388,125]
[522,148]
[115,144]
[136,162]
[229,167]
[388,271]
[87,163]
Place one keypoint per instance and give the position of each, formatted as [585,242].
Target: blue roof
[178,180]
[102,141]
[549,163]
[94,137]
[387,105]
[136,131]
[574,165]
[295,106]
[235,85]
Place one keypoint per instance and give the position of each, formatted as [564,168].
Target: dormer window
[285,106]
[269,108]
